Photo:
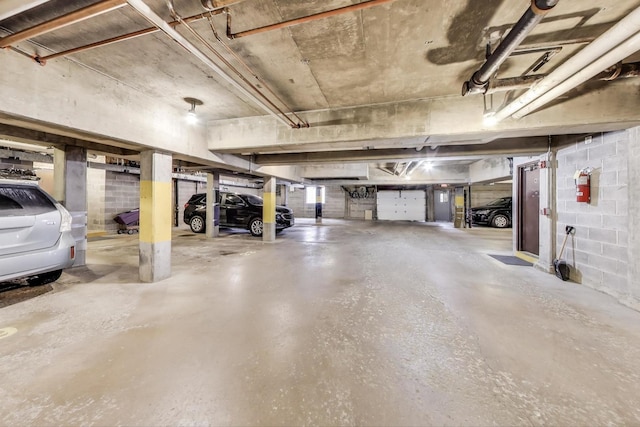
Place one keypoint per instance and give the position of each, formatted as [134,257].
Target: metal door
[401,205]
[529,208]
[442,205]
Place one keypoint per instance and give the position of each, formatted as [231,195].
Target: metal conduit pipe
[143,9]
[124,37]
[628,48]
[202,40]
[616,72]
[480,79]
[63,21]
[608,44]
[266,99]
[334,12]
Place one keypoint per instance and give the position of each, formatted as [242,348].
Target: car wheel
[256,226]
[44,278]
[197,224]
[500,221]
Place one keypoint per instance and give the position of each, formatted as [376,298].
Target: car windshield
[254,200]
[498,202]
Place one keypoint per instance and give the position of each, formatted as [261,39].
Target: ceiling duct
[479,81]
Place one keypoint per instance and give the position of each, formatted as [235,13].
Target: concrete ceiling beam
[502,148]
[9,8]
[595,107]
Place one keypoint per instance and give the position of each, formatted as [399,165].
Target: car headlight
[66,219]
[482,212]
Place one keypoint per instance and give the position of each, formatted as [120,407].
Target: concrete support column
[155,216]
[284,195]
[318,205]
[213,208]
[58,174]
[269,210]
[71,182]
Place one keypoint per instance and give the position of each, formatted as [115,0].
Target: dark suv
[496,213]
[236,210]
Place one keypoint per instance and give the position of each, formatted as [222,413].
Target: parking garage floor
[346,323]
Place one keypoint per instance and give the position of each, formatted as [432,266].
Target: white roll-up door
[402,205]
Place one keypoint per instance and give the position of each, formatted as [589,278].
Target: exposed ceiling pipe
[9,8]
[144,10]
[613,46]
[217,4]
[63,21]
[616,72]
[480,79]
[305,19]
[630,47]
[124,37]
[253,87]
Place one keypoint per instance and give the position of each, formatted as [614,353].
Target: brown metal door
[529,207]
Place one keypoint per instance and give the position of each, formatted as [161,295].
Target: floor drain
[7,332]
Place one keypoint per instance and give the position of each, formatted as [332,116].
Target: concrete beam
[344,171]
[57,105]
[9,8]
[490,170]
[593,108]
[502,148]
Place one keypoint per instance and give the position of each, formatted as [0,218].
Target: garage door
[402,205]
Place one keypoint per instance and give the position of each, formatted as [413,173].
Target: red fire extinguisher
[583,185]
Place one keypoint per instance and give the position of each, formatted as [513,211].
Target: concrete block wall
[122,193]
[334,206]
[356,207]
[599,250]
[96,190]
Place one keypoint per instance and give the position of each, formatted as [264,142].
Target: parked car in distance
[496,213]
[35,234]
[236,210]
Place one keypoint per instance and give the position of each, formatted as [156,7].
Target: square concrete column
[318,205]
[155,216]
[213,208]
[70,188]
[269,210]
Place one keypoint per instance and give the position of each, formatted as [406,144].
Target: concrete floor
[348,323]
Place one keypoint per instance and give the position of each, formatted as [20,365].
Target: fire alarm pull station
[583,185]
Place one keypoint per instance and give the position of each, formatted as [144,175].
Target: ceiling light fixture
[490,119]
[192,117]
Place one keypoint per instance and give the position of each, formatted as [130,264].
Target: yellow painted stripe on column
[155,211]
[459,201]
[269,212]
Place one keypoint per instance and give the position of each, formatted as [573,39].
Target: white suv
[35,234]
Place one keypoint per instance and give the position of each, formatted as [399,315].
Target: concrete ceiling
[392,54]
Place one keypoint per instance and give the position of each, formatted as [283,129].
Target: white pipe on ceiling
[623,51]
[610,41]
[143,9]
[9,8]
